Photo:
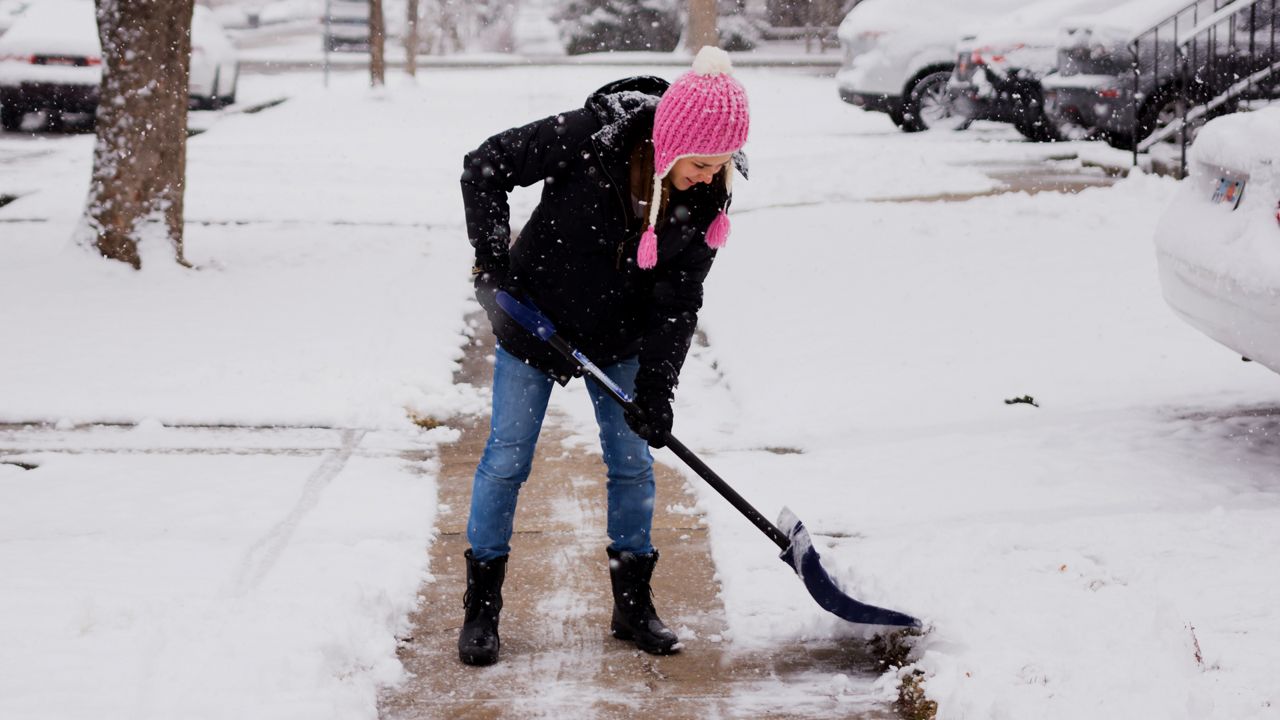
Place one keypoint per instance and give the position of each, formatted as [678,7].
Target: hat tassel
[647,255]
[718,231]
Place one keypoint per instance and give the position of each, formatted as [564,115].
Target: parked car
[998,70]
[1218,243]
[899,55]
[1094,85]
[51,60]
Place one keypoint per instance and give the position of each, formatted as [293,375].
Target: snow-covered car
[899,55]
[51,59]
[1094,84]
[1218,244]
[9,12]
[999,68]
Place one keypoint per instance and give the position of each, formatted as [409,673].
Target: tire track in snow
[263,554]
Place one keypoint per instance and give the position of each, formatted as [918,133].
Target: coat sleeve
[677,297]
[518,157]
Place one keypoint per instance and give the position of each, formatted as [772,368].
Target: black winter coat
[576,256]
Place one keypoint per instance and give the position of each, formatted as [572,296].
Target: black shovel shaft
[740,503]
[728,493]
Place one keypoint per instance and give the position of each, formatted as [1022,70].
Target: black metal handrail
[1206,59]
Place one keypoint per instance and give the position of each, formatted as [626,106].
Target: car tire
[213,101]
[1032,121]
[11,117]
[928,105]
[1161,110]
[230,98]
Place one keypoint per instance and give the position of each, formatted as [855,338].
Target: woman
[636,185]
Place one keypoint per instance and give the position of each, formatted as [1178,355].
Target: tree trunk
[411,40]
[140,158]
[377,45]
[702,25]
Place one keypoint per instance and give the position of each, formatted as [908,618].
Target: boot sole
[477,660]
[622,633]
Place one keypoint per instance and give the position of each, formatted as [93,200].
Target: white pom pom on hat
[711,60]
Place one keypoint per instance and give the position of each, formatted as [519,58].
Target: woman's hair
[642,178]
[641,166]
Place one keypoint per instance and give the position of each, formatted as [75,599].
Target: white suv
[899,54]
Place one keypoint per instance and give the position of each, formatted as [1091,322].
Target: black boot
[478,642]
[633,615]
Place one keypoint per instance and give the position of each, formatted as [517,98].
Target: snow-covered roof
[1241,141]
[1129,18]
[945,17]
[1037,23]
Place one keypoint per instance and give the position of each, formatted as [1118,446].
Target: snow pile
[269,582]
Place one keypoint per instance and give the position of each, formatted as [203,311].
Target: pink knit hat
[702,113]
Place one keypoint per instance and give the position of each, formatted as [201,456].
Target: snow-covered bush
[738,32]
[603,25]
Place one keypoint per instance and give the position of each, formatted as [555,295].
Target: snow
[1128,19]
[1105,554]
[1027,37]
[903,15]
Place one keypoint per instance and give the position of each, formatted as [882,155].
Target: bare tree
[411,39]
[702,25]
[377,45]
[140,158]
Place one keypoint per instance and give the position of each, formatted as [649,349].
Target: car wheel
[11,117]
[214,101]
[929,105]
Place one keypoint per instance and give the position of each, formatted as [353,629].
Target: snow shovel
[797,548]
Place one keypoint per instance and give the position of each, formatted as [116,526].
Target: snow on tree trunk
[702,25]
[377,45]
[140,158]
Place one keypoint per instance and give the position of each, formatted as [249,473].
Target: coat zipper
[622,202]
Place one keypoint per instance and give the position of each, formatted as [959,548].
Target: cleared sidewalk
[557,655]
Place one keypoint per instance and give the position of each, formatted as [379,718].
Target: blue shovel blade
[802,558]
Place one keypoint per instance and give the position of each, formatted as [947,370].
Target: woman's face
[689,171]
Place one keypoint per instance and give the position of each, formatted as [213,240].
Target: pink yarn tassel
[718,231]
[647,257]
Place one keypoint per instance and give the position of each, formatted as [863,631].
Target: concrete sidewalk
[557,655]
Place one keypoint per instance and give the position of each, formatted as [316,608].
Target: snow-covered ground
[1104,555]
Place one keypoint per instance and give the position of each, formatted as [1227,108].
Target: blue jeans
[520,396]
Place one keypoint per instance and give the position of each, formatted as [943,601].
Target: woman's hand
[487,284]
[652,419]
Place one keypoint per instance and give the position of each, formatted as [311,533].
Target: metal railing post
[1133,106]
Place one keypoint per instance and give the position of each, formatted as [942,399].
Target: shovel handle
[532,319]
[740,503]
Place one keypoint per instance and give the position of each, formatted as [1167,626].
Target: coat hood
[626,106]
